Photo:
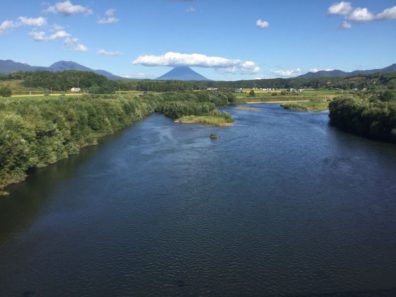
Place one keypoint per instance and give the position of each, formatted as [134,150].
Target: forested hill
[340,73]
[9,66]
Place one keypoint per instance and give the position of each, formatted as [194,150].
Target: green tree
[252,93]
[387,96]
[5,92]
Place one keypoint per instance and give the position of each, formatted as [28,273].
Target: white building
[75,90]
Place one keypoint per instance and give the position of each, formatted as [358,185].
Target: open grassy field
[18,88]
[284,95]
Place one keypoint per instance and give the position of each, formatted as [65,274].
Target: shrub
[5,92]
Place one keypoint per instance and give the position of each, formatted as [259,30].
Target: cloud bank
[174,59]
[359,14]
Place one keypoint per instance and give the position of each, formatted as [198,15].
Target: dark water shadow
[22,206]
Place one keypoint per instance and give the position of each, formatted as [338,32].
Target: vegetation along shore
[42,121]
[38,131]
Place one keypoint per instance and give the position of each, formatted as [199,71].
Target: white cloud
[7,25]
[318,69]
[174,59]
[67,8]
[346,25]
[287,72]
[387,14]
[361,15]
[109,18]
[21,22]
[38,35]
[104,52]
[59,34]
[342,8]
[75,45]
[34,22]
[262,24]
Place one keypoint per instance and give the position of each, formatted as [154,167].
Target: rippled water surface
[280,205]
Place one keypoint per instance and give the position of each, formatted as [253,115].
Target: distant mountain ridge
[10,66]
[182,73]
[340,74]
[177,73]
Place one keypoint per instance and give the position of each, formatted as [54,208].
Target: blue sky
[233,39]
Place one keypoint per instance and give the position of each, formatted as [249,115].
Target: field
[280,95]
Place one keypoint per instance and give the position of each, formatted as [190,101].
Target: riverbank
[36,132]
[370,118]
[39,131]
[315,106]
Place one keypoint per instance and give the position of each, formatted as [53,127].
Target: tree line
[373,117]
[94,83]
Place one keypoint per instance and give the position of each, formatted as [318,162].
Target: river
[280,205]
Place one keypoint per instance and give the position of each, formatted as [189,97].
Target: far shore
[276,102]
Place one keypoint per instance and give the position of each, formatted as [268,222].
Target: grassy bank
[38,131]
[220,120]
[307,106]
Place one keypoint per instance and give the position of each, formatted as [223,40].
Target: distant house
[292,90]
[75,90]
[212,89]
[238,90]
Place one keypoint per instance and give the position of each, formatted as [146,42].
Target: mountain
[109,75]
[182,73]
[68,65]
[339,73]
[9,66]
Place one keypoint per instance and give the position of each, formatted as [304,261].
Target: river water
[280,205]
